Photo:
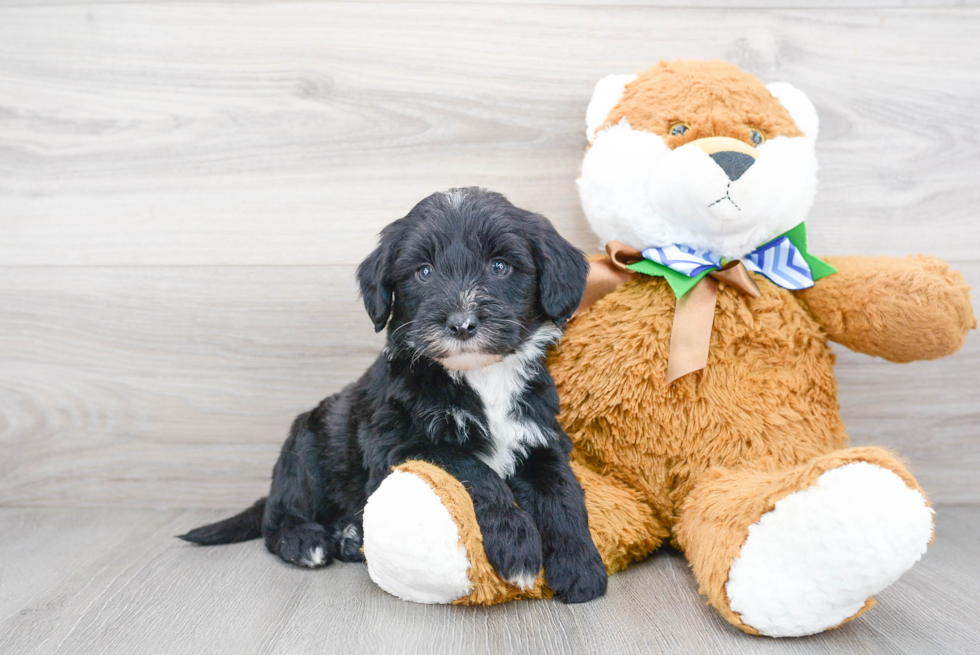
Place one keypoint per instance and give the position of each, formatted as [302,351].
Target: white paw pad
[815,558]
[411,543]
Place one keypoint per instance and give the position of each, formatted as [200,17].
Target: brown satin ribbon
[690,334]
[604,277]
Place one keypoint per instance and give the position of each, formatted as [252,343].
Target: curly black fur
[464,280]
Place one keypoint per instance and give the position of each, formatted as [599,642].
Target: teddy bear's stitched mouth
[726,197]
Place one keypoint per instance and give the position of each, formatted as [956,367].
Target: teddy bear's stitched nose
[733,163]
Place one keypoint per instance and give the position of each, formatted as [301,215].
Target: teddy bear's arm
[900,308]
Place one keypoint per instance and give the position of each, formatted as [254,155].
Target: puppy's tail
[240,527]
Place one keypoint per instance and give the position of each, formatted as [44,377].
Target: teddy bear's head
[697,153]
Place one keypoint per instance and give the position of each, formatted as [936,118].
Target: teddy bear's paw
[412,544]
[816,558]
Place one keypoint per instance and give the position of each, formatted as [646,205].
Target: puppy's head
[698,153]
[466,278]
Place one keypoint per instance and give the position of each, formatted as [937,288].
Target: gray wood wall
[186,189]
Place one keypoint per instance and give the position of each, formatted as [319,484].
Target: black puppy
[472,290]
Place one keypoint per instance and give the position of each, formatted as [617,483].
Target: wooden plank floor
[115,581]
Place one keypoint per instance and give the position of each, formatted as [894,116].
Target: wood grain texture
[659,4]
[182,205]
[165,386]
[139,134]
[174,386]
[115,581]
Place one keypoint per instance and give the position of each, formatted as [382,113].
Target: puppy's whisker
[401,327]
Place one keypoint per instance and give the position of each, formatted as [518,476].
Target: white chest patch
[499,387]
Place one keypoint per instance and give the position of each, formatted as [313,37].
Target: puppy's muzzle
[732,156]
[462,325]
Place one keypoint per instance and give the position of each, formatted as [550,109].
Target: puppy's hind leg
[289,525]
[306,544]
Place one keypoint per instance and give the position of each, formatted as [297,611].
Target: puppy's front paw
[307,544]
[576,577]
[513,546]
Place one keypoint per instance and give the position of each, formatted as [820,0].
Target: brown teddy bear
[696,379]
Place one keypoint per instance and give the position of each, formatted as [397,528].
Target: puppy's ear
[562,269]
[372,276]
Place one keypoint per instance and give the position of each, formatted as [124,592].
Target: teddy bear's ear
[606,94]
[799,106]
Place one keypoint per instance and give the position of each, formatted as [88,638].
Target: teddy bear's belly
[768,393]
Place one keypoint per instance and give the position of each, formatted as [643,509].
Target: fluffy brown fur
[702,459]
[712,97]
[891,308]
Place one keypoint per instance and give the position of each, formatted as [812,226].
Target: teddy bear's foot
[817,557]
[798,552]
[422,542]
[412,544]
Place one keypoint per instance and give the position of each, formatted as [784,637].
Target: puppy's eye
[757,137]
[678,129]
[424,272]
[499,268]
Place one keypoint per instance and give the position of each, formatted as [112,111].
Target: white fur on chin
[469,361]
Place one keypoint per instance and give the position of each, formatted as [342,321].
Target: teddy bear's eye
[677,129]
[757,136]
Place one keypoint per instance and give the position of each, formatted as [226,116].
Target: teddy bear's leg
[422,542]
[624,527]
[798,551]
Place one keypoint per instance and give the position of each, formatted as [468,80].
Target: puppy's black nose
[733,163]
[462,325]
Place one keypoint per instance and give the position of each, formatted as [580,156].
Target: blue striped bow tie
[784,261]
